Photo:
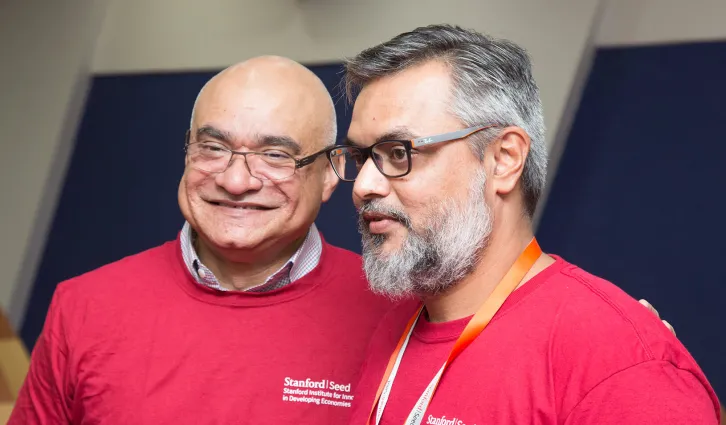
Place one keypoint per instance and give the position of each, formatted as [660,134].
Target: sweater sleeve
[44,397]
[653,392]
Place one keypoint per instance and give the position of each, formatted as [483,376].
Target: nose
[237,179]
[370,183]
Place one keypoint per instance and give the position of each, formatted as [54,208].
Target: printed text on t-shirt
[317,391]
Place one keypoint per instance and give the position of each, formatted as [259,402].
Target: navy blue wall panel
[120,193]
[639,196]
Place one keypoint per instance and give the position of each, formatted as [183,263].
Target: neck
[465,297]
[242,275]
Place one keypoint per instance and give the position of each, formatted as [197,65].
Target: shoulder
[115,281]
[101,296]
[595,312]
[599,331]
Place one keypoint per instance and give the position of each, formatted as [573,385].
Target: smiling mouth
[373,217]
[240,206]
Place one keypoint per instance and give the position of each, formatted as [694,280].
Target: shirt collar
[303,260]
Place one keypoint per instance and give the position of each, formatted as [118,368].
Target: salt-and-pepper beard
[435,257]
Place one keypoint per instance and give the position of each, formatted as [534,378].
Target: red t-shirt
[565,348]
[141,342]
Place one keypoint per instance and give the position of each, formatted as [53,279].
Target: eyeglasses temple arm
[299,163]
[455,135]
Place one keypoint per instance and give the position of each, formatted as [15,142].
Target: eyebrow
[260,140]
[280,141]
[214,133]
[398,133]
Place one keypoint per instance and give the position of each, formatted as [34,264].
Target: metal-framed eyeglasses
[391,157]
[214,157]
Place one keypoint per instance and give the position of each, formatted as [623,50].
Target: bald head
[274,85]
[274,107]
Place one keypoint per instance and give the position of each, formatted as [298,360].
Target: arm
[43,398]
[653,392]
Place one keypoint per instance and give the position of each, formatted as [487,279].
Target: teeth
[221,204]
[244,208]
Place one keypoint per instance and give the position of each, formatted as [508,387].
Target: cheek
[191,191]
[186,197]
[187,187]
[290,194]
[308,189]
[194,185]
[413,198]
[421,197]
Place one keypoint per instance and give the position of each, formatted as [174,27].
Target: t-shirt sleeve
[653,392]
[43,398]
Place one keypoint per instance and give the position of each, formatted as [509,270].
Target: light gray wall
[638,22]
[46,50]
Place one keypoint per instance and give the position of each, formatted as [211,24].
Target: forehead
[246,111]
[416,99]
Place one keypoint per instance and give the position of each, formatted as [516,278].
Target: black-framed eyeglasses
[213,158]
[391,157]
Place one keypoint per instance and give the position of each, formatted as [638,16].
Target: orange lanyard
[475,326]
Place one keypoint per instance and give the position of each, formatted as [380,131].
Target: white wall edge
[570,111]
[53,187]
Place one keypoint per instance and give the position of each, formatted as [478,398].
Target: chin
[236,239]
[389,247]
[393,241]
[381,245]
[240,244]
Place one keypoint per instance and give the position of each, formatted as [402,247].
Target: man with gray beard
[446,149]
[430,260]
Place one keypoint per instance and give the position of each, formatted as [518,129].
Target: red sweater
[139,342]
[565,348]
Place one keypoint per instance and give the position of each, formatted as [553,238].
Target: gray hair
[493,84]
[438,254]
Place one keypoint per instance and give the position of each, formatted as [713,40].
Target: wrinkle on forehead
[275,92]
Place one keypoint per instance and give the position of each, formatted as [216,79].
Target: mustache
[378,207]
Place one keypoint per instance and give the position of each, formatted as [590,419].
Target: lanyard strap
[475,326]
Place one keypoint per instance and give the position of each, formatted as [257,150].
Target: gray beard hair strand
[436,258]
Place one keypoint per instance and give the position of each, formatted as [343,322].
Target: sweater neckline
[429,332]
[316,278]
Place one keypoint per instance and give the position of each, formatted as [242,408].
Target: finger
[650,307]
[668,325]
[645,303]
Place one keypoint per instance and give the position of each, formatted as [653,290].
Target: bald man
[249,316]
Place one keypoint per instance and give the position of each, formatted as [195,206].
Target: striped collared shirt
[301,263]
